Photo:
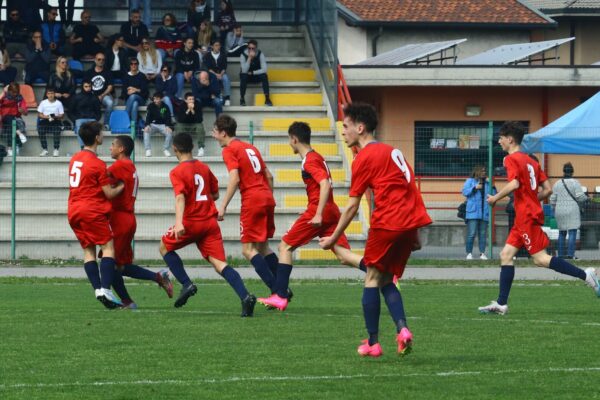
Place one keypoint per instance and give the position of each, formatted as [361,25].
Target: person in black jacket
[85,108]
[187,61]
[207,91]
[15,33]
[117,61]
[158,120]
[63,84]
[189,120]
[86,38]
[37,58]
[135,90]
[133,31]
[166,84]
[215,62]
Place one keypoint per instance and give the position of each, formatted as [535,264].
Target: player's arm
[269,177]
[545,192]
[324,188]
[179,229]
[232,186]
[347,216]
[506,190]
[111,192]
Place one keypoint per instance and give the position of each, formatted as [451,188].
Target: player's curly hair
[513,129]
[301,130]
[227,124]
[362,113]
[183,142]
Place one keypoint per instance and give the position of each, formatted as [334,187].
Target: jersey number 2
[198,180]
[398,158]
[75,174]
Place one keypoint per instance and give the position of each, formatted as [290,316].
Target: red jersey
[124,171]
[524,169]
[9,106]
[398,202]
[197,183]
[87,175]
[254,186]
[314,170]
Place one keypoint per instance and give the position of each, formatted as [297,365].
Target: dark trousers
[86,49]
[8,75]
[53,128]
[66,12]
[245,79]
[31,76]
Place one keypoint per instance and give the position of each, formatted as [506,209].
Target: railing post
[491,223]
[132,134]
[13,195]
[251,128]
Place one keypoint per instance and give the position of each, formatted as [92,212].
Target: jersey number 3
[75,174]
[398,158]
[532,180]
[199,181]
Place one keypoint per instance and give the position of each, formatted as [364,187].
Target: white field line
[292,378]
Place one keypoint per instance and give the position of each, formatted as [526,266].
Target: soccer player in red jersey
[319,219]
[195,189]
[399,213]
[248,171]
[89,212]
[524,177]
[123,222]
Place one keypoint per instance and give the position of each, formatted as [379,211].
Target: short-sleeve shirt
[87,175]
[530,176]
[315,170]
[100,80]
[124,170]
[196,182]
[254,186]
[46,107]
[398,202]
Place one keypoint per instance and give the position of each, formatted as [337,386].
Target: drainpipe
[374,42]
[572,47]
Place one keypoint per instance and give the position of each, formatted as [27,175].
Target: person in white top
[150,59]
[50,114]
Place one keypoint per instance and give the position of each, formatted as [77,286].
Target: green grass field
[57,342]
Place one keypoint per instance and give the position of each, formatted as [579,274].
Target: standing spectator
[7,72]
[50,114]
[53,34]
[189,120]
[476,189]
[168,37]
[30,13]
[15,33]
[158,120]
[147,11]
[63,84]
[86,108]
[187,61]
[37,59]
[206,90]
[198,11]
[12,107]
[253,70]
[133,31]
[205,37]
[117,61]
[236,43]
[150,59]
[135,90]
[86,38]
[216,63]
[567,197]
[67,10]
[102,85]
[166,84]
[226,19]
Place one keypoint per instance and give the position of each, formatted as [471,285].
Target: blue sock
[371,303]
[91,270]
[119,286]
[507,274]
[107,272]
[273,262]
[137,272]
[262,269]
[362,265]
[282,280]
[393,299]
[176,267]
[235,280]
[564,267]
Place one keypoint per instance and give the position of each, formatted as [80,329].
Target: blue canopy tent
[577,132]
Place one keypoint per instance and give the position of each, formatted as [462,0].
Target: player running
[195,189]
[398,213]
[89,211]
[524,176]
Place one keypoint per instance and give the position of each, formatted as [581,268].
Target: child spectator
[50,114]
[158,120]
[189,120]
[12,107]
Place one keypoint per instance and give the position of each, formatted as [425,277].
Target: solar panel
[412,53]
[512,53]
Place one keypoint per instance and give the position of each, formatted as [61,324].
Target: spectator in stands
[37,59]
[198,11]
[150,59]
[86,38]
[53,34]
[205,36]
[63,84]
[147,12]
[158,120]
[117,61]
[86,108]
[187,61]
[567,198]
[189,120]
[67,10]
[30,12]
[7,72]
[135,90]
[236,43]
[207,91]
[253,70]
[476,190]
[216,63]
[12,107]
[15,33]
[168,37]
[133,31]
[102,85]
[50,115]
[167,85]
[226,19]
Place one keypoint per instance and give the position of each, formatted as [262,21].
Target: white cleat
[201,152]
[494,308]
[483,256]
[591,279]
[469,256]
[167,153]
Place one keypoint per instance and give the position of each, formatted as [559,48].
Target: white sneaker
[9,152]
[201,152]
[483,256]
[592,280]
[148,153]
[55,153]
[22,137]
[494,308]
[469,256]
[44,153]
[227,103]
[167,153]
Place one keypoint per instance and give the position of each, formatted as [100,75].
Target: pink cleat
[371,351]
[274,301]
[404,339]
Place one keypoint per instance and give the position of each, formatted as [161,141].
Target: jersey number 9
[398,158]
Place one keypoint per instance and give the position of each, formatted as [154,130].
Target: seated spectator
[66,12]
[102,85]
[147,11]
[236,43]
[37,59]
[135,90]
[12,107]
[226,19]
[7,72]
[50,115]
[158,120]
[16,34]
[150,59]
[216,63]
[205,36]
[187,61]
[133,31]
[207,91]
[117,61]
[168,37]
[86,38]
[63,84]
[166,84]
[189,120]
[198,11]
[53,34]
[86,108]
[253,70]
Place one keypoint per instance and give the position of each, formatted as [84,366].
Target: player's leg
[251,253]
[371,304]
[90,265]
[121,291]
[234,279]
[263,247]
[281,292]
[107,274]
[173,261]
[544,260]
[161,277]
[507,275]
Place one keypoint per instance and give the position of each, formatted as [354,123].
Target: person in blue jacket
[476,189]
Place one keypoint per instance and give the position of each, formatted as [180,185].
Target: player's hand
[221,214]
[491,200]
[178,230]
[326,242]
[316,221]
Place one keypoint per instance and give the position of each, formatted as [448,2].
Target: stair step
[282,124]
[290,99]
[294,75]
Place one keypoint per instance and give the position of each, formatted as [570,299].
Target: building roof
[566,7]
[442,12]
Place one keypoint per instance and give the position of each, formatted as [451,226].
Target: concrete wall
[352,43]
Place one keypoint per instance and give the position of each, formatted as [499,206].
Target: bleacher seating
[119,122]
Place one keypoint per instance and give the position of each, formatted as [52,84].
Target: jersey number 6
[253,160]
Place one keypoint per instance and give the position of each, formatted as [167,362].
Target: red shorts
[257,224]
[531,237]
[302,232]
[90,229]
[388,251]
[206,234]
[123,225]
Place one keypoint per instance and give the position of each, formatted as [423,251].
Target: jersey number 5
[75,174]
[253,160]
[398,158]
[198,180]
[532,180]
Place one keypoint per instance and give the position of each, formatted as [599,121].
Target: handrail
[343,93]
